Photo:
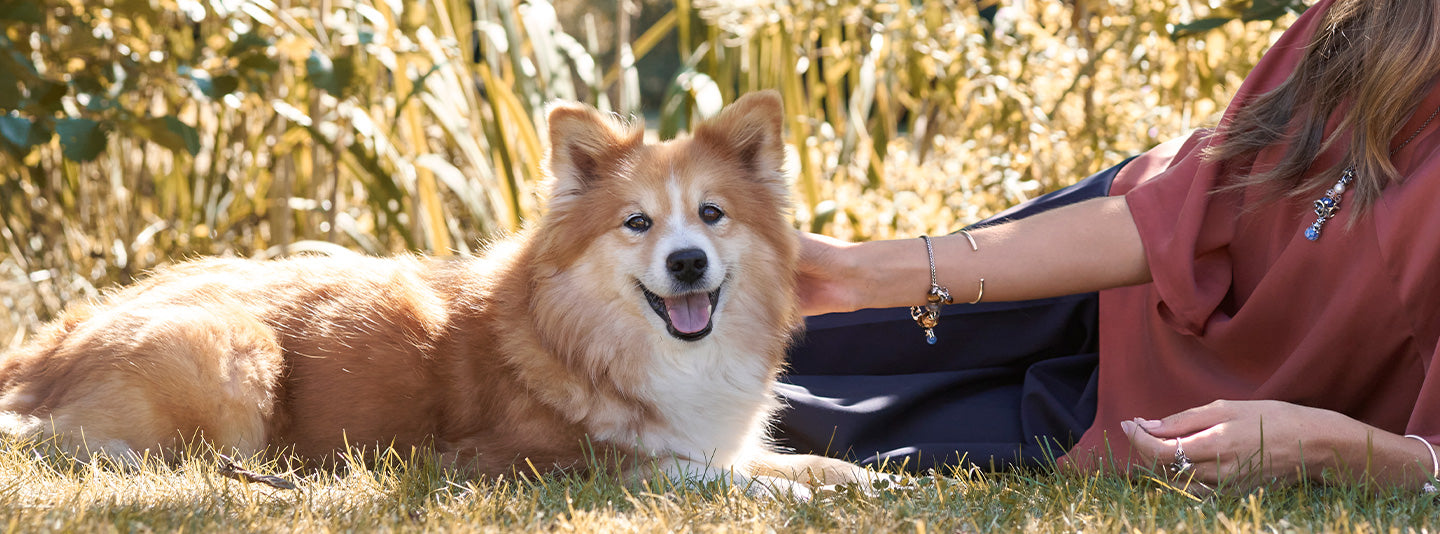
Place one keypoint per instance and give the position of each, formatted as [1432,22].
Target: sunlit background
[139,132]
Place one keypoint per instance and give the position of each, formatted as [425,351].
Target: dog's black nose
[686,265]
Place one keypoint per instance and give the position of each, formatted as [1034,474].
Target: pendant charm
[928,316]
[1327,206]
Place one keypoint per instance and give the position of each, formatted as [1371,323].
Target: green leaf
[213,87]
[85,83]
[320,70]
[18,135]
[1178,31]
[186,132]
[1271,9]
[258,63]
[9,91]
[49,96]
[246,43]
[331,75]
[13,59]
[223,85]
[169,132]
[80,139]
[16,130]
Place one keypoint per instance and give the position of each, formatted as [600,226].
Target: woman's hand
[827,279]
[1243,444]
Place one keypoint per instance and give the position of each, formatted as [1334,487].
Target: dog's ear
[584,143]
[751,130]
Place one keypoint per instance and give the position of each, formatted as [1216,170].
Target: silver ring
[1182,462]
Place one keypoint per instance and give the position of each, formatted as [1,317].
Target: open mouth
[687,316]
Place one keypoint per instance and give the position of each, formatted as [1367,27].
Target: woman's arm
[1242,444]
[1083,247]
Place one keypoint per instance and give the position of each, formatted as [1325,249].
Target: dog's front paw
[766,487]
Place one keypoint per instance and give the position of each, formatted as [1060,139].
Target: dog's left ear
[750,130]
[585,144]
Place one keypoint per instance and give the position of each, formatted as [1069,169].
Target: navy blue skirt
[1006,384]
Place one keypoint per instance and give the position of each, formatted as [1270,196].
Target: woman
[1270,291]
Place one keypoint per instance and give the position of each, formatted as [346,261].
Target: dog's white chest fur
[715,404]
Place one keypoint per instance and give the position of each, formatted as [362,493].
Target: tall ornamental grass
[139,132]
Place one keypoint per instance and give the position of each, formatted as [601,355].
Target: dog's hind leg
[127,382]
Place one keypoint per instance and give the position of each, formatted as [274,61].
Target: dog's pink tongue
[689,313]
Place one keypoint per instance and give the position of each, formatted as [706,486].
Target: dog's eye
[711,213]
[638,222]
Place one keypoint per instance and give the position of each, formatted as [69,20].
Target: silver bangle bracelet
[1429,487]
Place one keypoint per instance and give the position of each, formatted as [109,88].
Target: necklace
[1327,206]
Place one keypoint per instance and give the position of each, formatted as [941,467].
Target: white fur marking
[732,390]
[681,232]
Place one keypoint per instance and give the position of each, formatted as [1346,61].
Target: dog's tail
[20,426]
[16,406]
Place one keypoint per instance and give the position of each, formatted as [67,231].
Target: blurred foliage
[138,132]
[921,117]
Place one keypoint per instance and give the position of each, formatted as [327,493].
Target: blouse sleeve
[1425,420]
[1186,222]
[1408,233]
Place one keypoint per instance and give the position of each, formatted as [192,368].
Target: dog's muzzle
[687,316]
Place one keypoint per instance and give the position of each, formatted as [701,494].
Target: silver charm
[1327,206]
[1182,462]
[928,316]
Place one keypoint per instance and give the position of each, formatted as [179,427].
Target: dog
[646,314]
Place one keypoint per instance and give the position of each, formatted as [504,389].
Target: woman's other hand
[1238,445]
[1243,443]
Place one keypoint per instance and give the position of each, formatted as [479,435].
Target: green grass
[58,495]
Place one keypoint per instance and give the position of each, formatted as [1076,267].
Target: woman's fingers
[1190,421]
[1200,460]
[1148,445]
[1157,448]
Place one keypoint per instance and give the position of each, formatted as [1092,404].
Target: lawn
[56,495]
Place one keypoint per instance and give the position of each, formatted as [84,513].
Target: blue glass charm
[1327,206]
[928,316]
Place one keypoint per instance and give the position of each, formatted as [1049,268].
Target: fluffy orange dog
[646,314]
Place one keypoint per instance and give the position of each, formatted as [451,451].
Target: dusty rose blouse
[1244,307]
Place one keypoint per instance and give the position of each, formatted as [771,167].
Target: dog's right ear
[583,145]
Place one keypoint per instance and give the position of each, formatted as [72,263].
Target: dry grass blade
[390,492]
[229,469]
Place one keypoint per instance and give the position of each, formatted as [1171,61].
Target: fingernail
[1127,427]
[1149,424]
